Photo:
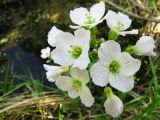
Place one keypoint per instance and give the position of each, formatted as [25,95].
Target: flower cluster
[84,58]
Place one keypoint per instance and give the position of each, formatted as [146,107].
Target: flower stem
[95,43]
[131,50]
[108,91]
[93,37]
[49,59]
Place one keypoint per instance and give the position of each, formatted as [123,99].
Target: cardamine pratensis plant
[85,58]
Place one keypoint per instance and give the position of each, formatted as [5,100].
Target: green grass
[137,105]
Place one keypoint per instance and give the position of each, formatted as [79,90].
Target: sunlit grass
[29,99]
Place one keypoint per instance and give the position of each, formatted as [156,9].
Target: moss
[28,22]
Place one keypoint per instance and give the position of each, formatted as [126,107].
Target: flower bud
[113,105]
[145,46]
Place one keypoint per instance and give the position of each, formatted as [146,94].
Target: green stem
[49,59]
[93,37]
[131,50]
[108,91]
[155,79]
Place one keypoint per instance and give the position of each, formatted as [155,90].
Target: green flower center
[77,85]
[114,67]
[119,27]
[90,19]
[75,51]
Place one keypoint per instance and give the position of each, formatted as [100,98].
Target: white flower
[53,72]
[119,23]
[114,67]
[45,53]
[145,46]
[113,106]
[72,50]
[84,18]
[51,36]
[76,85]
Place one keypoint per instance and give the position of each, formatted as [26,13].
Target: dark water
[23,61]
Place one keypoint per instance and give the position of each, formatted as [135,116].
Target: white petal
[83,60]
[81,75]
[86,97]
[52,72]
[64,83]
[124,19]
[109,50]
[105,17]
[64,39]
[48,49]
[113,106]
[129,65]
[45,52]
[53,79]
[73,93]
[97,10]
[121,83]
[74,26]
[52,34]
[146,40]
[112,19]
[78,15]
[50,67]
[146,45]
[61,56]
[82,37]
[44,56]
[99,74]
[152,54]
[134,31]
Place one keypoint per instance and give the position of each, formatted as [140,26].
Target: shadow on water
[24,61]
[23,67]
